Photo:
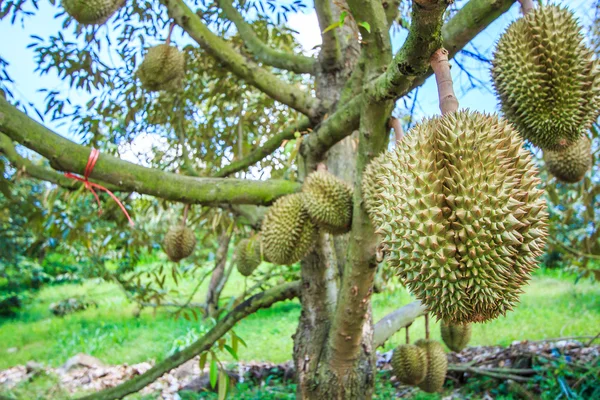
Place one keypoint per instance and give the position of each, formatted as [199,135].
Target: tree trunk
[219,275]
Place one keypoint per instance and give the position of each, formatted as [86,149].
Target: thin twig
[427,326]
[487,372]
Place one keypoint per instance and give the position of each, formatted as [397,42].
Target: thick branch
[331,49]
[25,165]
[261,300]
[249,71]
[468,22]
[261,51]
[65,155]
[266,149]
[396,320]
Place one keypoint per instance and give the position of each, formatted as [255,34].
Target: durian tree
[454,208]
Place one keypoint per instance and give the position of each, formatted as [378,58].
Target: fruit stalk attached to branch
[443,78]
[526,6]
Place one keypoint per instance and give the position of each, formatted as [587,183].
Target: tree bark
[219,276]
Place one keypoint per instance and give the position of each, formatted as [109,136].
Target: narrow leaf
[231,351]
[213,373]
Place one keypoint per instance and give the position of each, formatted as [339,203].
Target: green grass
[552,306]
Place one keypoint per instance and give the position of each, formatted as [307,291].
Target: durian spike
[443,78]
[526,6]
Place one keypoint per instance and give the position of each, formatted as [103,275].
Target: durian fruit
[163,68]
[437,365]
[248,255]
[409,363]
[570,165]
[371,188]
[92,12]
[179,242]
[328,201]
[456,337]
[460,215]
[288,234]
[547,82]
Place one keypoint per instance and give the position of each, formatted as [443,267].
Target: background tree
[250,120]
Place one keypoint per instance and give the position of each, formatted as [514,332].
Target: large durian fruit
[328,201]
[92,12]
[571,164]
[163,68]
[456,337]
[460,215]
[179,242]
[248,255]
[288,234]
[437,365]
[547,82]
[409,363]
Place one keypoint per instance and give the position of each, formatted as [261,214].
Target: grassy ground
[552,306]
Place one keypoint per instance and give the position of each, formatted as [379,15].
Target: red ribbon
[95,153]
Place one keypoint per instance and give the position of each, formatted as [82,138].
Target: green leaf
[231,351]
[365,25]
[223,383]
[343,16]
[213,373]
[234,342]
[203,357]
[242,341]
[332,26]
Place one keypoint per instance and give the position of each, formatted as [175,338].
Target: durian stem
[171,27]
[185,214]
[443,78]
[427,326]
[408,334]
[396,125]
[526,6]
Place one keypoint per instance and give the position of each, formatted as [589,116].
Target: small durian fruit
[92,12]
[179,242]
[437,365]
[570,165]
[460,215]
[248,255]
[546,78]
[409,363]
[456,337]
[163,68]
[328,201]
[288,234]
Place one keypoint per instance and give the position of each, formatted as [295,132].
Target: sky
[28,82]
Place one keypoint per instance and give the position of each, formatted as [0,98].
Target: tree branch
[396,320]
[258,77]
[65,155]
[266,149]
[261,300]
[443,77]
[467,23]
[22,164]
[261,51]
[331,49]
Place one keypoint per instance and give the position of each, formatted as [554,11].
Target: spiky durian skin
[409,363]
[371,188]
[163,68]
[328,201]
[248,255]
[179,242]
[288,234]
[547,82]
[571,164]
[437,365]
[456,337]
[460,215]
[92,12]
